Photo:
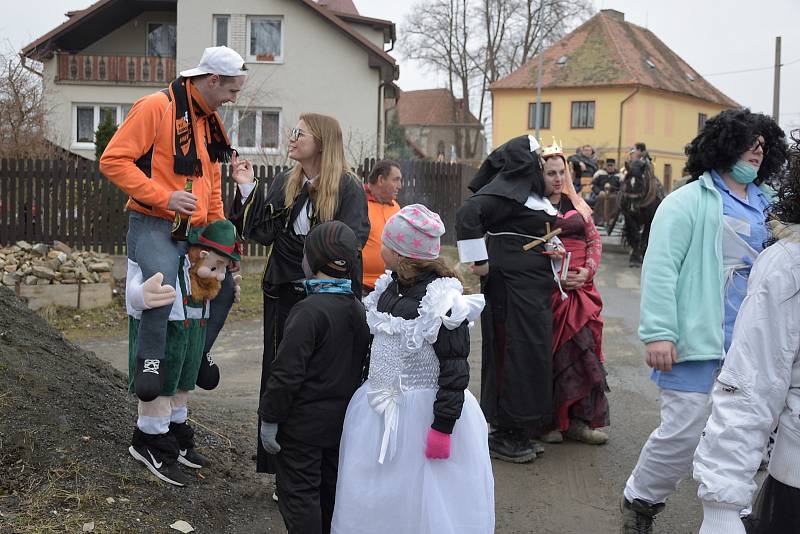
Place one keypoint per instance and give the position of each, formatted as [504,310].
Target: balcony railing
[112,70]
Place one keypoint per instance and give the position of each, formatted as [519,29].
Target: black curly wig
[728,135]
[787,206]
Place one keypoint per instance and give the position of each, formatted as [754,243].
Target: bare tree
[535,25]
[440,35]
[23,111]
[358,145]
[477,42]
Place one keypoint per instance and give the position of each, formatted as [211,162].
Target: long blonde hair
[325,191]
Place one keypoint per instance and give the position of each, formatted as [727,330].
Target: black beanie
[331,248]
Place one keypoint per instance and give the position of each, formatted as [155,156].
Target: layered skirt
[408,493]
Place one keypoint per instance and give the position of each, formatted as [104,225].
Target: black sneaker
[192,458]
[637,516]
[149,380]
[159,453]
[187,455]
[509,447]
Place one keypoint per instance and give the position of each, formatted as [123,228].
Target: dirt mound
[66,421]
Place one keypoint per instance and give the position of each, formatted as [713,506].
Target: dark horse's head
[636,180]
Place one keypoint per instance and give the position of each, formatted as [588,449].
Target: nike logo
[183,452]
[156,464]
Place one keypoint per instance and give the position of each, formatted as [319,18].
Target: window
[545,117]
[108,114]
[87,117]
[265,39]
[85,132]
[221,25]
[701,121]
[252,130]
[161,39]
[247,129]
[270,129]
[582,115]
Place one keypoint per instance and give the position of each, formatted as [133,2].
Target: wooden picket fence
[47,200]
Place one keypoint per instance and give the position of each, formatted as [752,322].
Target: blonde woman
[317,189]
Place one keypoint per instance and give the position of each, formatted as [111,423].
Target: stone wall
[43,264]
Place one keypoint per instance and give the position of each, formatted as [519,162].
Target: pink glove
[438,445]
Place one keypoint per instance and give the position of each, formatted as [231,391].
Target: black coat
[589,163]
[451,347]
[317,369]
[600,181]
[264,219]
[517,321]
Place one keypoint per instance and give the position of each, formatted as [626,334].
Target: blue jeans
[150,245]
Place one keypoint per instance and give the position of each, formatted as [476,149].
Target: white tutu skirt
[410,494]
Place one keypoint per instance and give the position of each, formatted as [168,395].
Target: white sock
[154,415]
[153,425]
[179,414]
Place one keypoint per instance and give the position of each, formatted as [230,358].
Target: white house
[301,56]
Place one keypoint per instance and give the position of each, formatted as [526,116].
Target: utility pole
[539,94]
[776,88]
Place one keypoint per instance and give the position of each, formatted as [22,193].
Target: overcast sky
[713,36]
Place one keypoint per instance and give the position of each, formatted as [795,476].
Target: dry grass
[62,500]
[77,325]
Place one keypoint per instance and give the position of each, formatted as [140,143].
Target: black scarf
[187,108]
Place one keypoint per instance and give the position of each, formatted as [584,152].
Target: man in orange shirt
[166,156]
[382,187]
[171,140]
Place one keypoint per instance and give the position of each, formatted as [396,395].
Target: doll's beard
[203,288]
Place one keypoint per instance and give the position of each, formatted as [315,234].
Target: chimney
[613,13]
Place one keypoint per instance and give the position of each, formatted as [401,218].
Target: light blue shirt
[752,228]
[699,376]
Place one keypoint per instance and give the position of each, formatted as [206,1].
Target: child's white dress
[386,484]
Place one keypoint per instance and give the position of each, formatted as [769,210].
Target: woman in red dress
[579,378]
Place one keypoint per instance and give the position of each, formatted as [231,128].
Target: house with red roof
[609,83]
[302,55]
[438,127]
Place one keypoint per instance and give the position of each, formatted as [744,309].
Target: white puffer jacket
[758,387]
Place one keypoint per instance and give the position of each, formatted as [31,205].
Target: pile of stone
[43,264]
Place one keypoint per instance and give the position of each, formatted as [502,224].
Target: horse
[640,194]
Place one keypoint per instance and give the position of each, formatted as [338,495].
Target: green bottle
[183,223]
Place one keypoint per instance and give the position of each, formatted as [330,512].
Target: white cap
[218,60]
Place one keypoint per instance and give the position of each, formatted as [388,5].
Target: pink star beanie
[414,232]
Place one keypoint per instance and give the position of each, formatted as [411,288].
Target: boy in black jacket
[315,373]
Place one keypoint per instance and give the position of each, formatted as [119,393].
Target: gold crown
[552,150]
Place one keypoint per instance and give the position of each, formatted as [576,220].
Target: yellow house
[610,84]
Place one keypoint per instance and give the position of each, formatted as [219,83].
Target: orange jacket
[151,123]
[379,213]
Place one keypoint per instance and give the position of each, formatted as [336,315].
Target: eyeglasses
[759,143]
[297,133]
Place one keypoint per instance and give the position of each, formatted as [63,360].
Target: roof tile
[342,6]
[607,50]
[430,106]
